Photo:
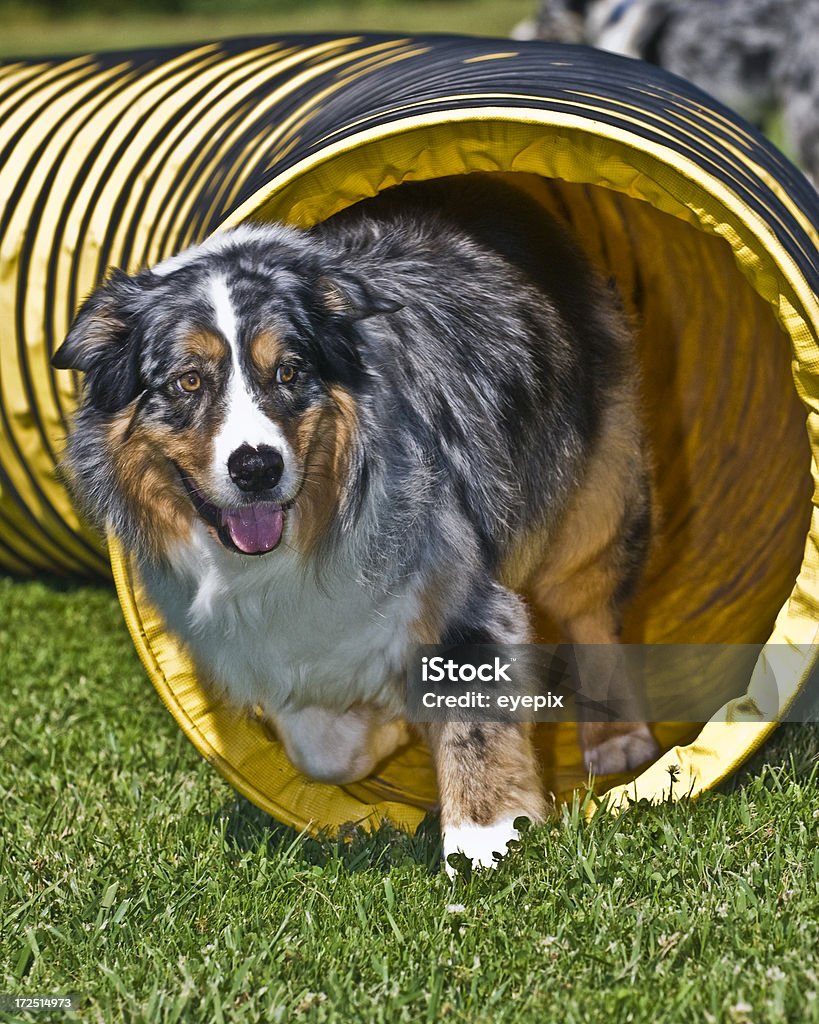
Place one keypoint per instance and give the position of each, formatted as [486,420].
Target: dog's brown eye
[286,373]
[190,381]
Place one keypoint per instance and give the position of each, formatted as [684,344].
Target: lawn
[132,876]
[28,32]
[135,879]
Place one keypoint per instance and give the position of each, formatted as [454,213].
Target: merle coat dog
[326,447]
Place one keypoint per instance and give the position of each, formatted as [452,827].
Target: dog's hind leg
[611,728]
[595,562]
[487,770]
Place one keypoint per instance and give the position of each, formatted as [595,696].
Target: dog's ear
[344,302]
[101,344]
[347,296]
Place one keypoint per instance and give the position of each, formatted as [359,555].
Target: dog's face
[220,387]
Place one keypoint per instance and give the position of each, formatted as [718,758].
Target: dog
[325,447]
[756,56]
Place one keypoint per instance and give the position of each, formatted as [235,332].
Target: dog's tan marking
[323,439]
[580,571]
[427,626]
[302,434]
[147,480]
[143,455]
[525,556]
[581,563]
[205,344]
[266,349]
[346,434]
[332,296]
[571,566]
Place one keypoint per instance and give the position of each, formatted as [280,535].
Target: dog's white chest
[276,634]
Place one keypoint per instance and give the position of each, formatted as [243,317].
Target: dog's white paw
[621,753]
[480,843]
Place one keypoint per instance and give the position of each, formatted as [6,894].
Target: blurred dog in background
[758,57]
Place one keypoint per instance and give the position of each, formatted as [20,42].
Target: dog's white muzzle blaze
[245,428]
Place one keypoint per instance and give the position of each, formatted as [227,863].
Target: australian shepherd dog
[325,447]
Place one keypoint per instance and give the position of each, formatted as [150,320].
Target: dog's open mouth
[252,529]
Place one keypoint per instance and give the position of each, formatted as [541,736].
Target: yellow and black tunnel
[124,158]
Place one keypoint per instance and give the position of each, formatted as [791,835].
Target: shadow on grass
[58,584]
[794,745]
[357,849]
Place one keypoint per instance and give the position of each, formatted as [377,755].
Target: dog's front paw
[607,751]
[484,845]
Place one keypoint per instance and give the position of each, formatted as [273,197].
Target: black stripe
[36,537]
[111,168]
[173,187]
[23,358]
[7,152]
[52,301]
[395,84]
[50,179]
[178,230]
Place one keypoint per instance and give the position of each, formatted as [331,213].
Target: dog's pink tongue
[254,529]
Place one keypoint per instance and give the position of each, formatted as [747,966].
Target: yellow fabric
[727,326]
[701,327]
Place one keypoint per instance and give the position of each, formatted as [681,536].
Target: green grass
[27,32]
[132,875]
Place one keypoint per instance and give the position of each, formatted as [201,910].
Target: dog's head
[221,386]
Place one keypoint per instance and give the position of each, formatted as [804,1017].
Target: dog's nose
[255,469]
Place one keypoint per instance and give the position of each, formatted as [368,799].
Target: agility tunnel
[711,235]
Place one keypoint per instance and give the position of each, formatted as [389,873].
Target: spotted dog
[325,447]
[756,56]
